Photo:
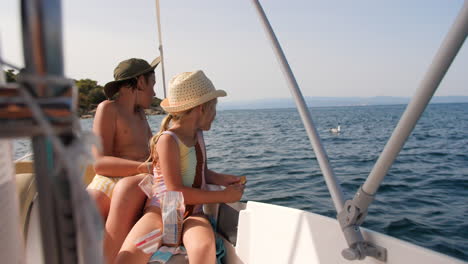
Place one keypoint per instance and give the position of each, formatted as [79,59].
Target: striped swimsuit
[192,170]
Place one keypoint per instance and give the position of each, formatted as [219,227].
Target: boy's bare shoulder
[107,107]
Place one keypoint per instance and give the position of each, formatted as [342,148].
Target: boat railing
[352,213]
[355,210]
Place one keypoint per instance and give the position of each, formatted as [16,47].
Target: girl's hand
[231,179]
[243,180]
[233,192]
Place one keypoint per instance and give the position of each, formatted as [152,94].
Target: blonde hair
[165,126]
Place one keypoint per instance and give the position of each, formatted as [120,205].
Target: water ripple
[423,198]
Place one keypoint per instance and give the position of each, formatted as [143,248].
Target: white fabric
[11,246]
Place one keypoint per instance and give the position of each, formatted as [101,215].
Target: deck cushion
[26,189]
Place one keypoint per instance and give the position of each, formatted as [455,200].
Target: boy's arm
[104,127]
[117,167]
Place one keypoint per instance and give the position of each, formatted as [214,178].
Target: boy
[121,124]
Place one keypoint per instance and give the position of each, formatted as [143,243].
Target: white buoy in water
[336,130]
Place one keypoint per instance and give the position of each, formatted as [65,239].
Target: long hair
[165,125]
[132,83]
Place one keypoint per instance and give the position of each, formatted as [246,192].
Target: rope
[158,18]
[27,156]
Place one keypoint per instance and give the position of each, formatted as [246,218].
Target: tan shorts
[103,184]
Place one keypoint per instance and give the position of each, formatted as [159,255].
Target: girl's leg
[199,240]
[129,253]
[125,209]
[102,202]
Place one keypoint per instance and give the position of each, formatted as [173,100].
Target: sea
[423,198]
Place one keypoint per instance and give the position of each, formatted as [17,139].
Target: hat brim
[192,103]
[111,88]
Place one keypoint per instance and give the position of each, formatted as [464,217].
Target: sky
[359,48]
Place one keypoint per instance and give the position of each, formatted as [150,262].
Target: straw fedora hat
[189,89]
[126,70]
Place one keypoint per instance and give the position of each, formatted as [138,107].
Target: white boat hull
[274,234]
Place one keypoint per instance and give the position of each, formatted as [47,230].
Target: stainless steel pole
[43,55]
[320,153]
[158,16]
[440,64]
[2,74]
[356,210]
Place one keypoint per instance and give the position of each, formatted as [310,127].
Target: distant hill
[332,101]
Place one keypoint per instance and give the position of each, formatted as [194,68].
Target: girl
[179,159]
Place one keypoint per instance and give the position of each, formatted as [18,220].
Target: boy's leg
[102,202]
[129,253]
[100,189]
[199,240]
[125,209]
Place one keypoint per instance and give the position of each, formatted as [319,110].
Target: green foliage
[10,75]
[155,102]
[86,85]
[90,94]
[96,96]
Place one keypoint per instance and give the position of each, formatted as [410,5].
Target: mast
[42,105]
[42,47]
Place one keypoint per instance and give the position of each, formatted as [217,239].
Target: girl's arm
[213,177]
[169,162]
[106,164]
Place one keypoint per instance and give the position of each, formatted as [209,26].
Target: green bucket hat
[126,70]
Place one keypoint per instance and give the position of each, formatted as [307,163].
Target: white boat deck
[274,234]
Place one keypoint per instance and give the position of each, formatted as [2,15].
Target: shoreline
[150,111]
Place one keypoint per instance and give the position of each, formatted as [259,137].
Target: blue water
[423,199]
